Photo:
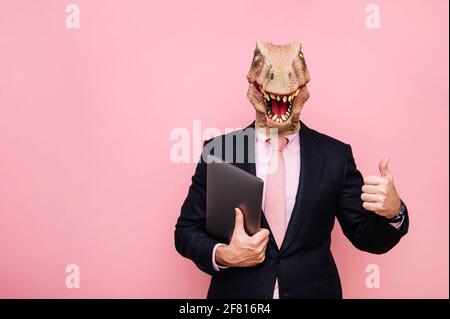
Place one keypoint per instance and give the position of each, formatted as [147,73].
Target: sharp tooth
[290,98]
[272,96]
[288,113]
[275,117]
[278,98]
[284,99]
[296,92]
[284,117]
[279,120]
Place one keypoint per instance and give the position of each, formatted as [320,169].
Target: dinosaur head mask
[277,86]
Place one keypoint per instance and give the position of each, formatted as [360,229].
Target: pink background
[85,119]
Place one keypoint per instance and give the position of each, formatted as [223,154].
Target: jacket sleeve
[191,238]
[366,230]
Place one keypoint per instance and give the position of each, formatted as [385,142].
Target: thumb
[239,221]
[384,169]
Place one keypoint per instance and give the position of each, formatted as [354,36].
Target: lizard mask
[277,86]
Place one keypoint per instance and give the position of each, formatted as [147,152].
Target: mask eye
[256,58]
[301,55]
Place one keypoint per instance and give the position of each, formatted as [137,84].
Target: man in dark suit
[309,180]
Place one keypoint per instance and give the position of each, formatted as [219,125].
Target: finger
[383,167]
[263,244]
[373,180]
[239,221]
[262,247]
[371,189]
[260,236]
[371,198]
[373,207]
[262,257]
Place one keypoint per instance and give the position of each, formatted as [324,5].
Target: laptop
[228,187]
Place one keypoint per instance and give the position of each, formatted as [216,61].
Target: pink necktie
[275,196]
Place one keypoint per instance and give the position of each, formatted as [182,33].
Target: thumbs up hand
[379,193]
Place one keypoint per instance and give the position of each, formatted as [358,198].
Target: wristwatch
[400,214]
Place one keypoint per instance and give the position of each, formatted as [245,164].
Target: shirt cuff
[396,224]
[215,265]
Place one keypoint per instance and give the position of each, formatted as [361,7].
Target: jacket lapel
[310,175]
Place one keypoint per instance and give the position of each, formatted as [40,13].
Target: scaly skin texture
[278,70]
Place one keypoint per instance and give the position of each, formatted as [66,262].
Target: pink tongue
[283,108]
[275,108]
[279,108]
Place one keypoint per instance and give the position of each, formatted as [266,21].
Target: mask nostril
[290,75]
[271,75]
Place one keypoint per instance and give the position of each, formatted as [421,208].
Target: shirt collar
[261,137]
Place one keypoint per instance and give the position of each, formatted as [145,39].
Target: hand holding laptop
[243,250]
